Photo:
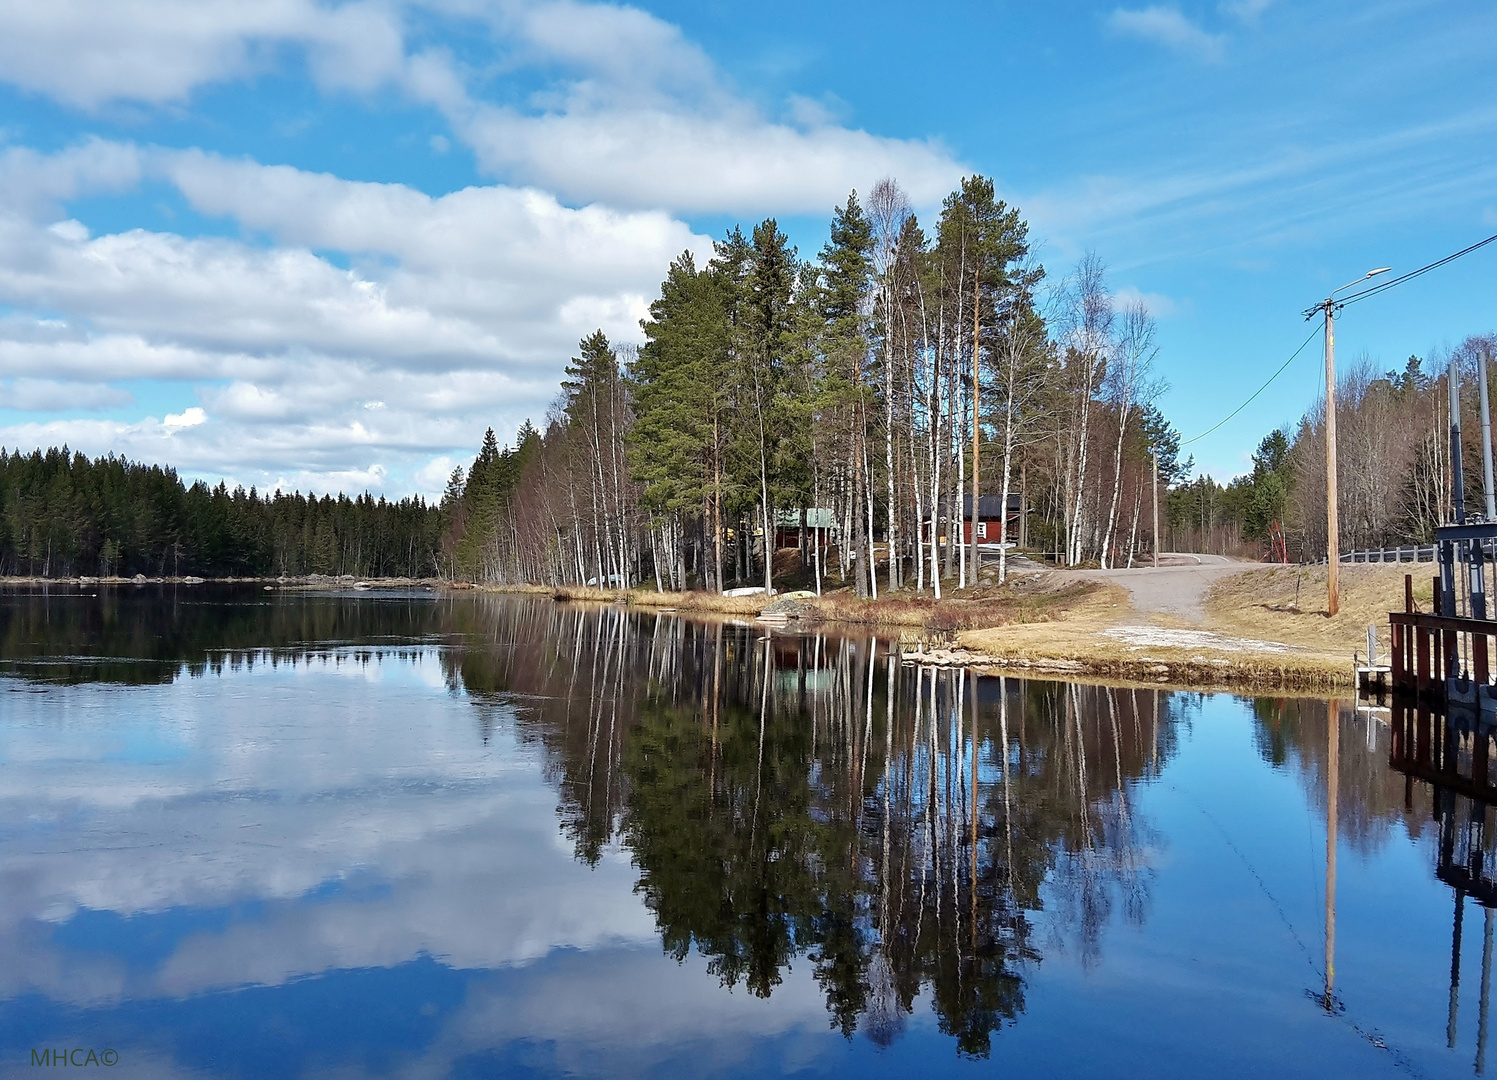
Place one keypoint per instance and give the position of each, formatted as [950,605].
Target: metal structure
[1446,655]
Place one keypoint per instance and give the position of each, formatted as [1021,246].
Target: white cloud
[1249,11]
[458,312]
[187,418]
[1168,27]
[88,54]
[431,478]
[1156,304]
[643,118]
[56,395]
[731,160]
[633,114]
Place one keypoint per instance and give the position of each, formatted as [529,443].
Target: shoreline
[1037,624]
[1088,631]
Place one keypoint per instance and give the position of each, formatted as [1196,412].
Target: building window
[982,530]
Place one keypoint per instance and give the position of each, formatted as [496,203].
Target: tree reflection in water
[794,796]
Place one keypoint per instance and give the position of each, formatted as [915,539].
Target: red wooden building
[988,520]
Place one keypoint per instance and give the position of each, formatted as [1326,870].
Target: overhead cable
[1255,393]
[1383,286]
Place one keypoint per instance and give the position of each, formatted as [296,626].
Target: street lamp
[1332,522]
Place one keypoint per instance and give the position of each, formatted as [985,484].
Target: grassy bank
[932,620]
[1265,629]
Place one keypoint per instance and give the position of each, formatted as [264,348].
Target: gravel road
[1177,587]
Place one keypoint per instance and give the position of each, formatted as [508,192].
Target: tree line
[63,514]
[1393,458]
[852,406]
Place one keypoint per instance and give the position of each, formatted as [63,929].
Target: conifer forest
[829,403]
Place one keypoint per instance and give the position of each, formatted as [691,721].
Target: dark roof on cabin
[987,506]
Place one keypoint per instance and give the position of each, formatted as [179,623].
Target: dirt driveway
[1177,587]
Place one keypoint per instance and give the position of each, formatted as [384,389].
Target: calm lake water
[250,834]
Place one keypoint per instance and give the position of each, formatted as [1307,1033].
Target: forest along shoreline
[1257,626]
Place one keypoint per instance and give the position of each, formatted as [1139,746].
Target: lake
[281,834]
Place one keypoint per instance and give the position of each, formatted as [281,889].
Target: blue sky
[324,245]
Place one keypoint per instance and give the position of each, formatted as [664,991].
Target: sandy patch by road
[1143,637]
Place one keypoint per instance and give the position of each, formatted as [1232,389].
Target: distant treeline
[1393,465]
[63,514]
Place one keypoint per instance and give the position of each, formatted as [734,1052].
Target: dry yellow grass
[1254,633]
[1288,604]
[695,601]
[933,618]
[970,609]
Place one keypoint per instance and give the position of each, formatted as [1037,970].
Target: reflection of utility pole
[1333,782]
[1486,986]
[1455,966]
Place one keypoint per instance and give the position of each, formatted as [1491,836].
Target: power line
[1352,299]
[1249,401]
[1383,286]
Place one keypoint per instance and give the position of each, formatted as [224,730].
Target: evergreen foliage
[63,514]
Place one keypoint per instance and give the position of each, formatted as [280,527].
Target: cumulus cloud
[1168,27]
[57,395]
[456,312]
[87,54]
[630,112]
[639,116]
[729,160]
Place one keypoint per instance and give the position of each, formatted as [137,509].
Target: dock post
[1422,637]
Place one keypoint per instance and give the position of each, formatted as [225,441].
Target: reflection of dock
[1451,751]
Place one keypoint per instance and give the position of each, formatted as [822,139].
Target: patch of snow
[1159,636]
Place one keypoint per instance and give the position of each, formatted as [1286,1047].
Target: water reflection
[319,798]
[813,796]
[153,634]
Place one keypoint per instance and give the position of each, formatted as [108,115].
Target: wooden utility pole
[1332,520]
[1156,508]
[976,422]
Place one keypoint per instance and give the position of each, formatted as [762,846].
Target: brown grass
[1288,604]
[1257,606]
[967,610]
[679,601]
[937,619]
[1079,648]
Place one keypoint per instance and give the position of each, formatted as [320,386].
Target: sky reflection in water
[278,835]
